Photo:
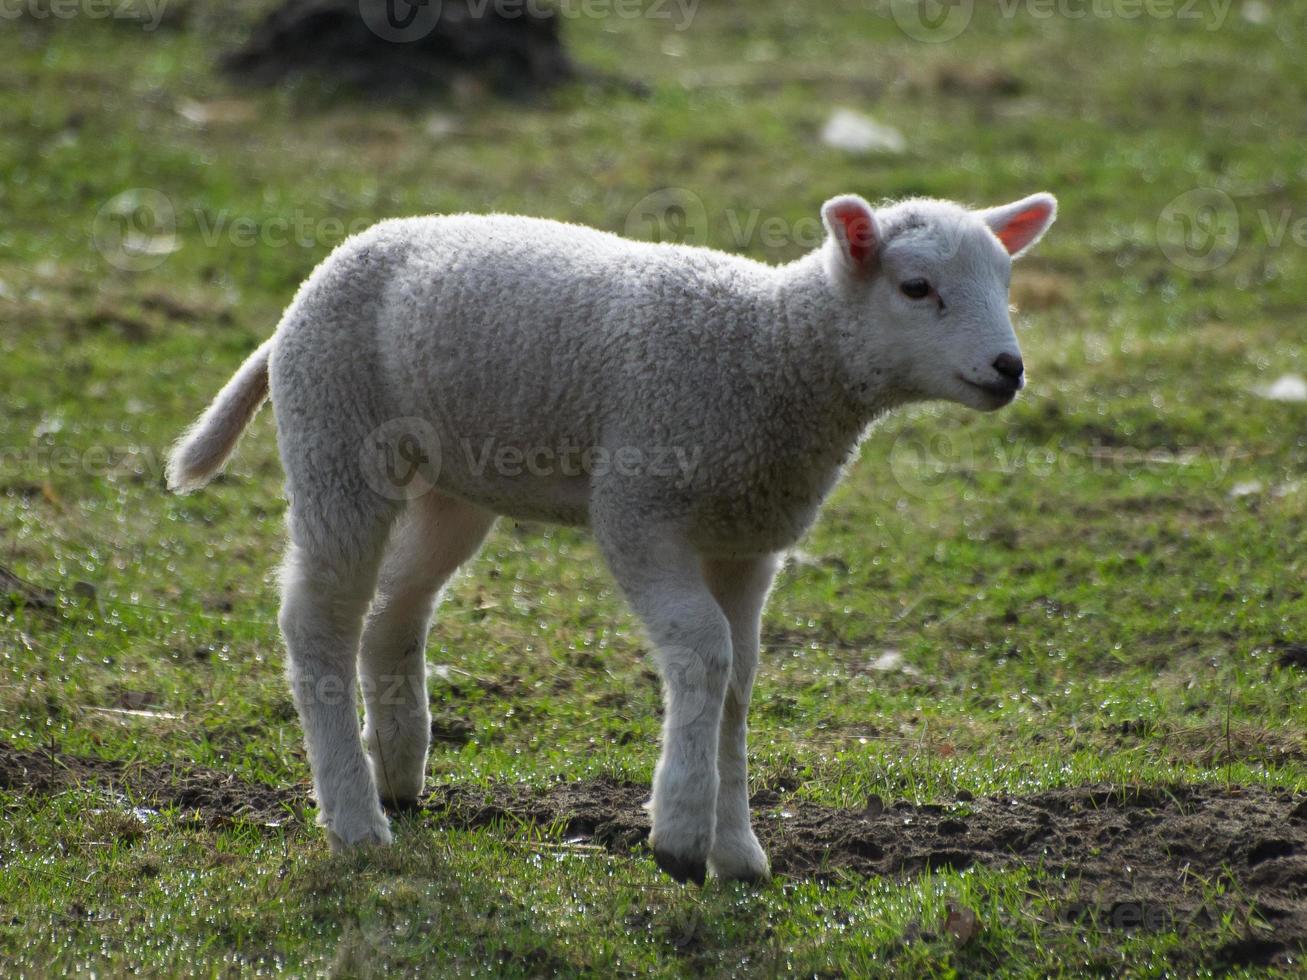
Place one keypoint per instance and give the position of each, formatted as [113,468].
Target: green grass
[1075,563]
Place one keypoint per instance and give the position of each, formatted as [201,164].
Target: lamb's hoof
[402,806]
[748,876]
[344,838]
[683,869]
[740,860]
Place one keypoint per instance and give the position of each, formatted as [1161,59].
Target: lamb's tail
[204,448]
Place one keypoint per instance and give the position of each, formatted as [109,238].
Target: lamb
[433,373]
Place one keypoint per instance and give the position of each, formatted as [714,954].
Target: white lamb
[692,407]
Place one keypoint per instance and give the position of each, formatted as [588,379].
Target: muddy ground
[1129,858]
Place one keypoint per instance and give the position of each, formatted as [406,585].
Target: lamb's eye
[915,288]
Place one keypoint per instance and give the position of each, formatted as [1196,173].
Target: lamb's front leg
[740,587]
[662,578]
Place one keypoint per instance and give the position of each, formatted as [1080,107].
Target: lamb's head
[921,292]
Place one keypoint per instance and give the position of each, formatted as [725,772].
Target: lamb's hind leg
[432,538]
[740,588]
[327,582]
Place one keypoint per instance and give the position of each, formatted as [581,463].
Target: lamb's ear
[1022,223]
[856,239]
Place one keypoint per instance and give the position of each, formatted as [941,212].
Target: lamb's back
[510,324]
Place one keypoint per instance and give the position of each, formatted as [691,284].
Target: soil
[386,48]
[207,795]
[16,593]
[1126,857]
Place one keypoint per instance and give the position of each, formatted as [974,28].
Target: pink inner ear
[858,232]
[1024,226]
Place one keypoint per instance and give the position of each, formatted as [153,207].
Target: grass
[1096,585]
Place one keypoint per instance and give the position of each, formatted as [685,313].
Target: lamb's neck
[809,320]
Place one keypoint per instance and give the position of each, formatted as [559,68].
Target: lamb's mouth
[1001,391]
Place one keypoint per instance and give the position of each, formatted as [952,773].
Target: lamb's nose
[1010,366]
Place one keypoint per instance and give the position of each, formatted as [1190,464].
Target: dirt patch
[1292,655]
[386,48]
[209,795]
[601,811]
[16,593]
[1127,857]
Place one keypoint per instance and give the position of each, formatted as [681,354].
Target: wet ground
[1129,858]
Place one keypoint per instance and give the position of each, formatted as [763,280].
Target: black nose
[1009,366]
